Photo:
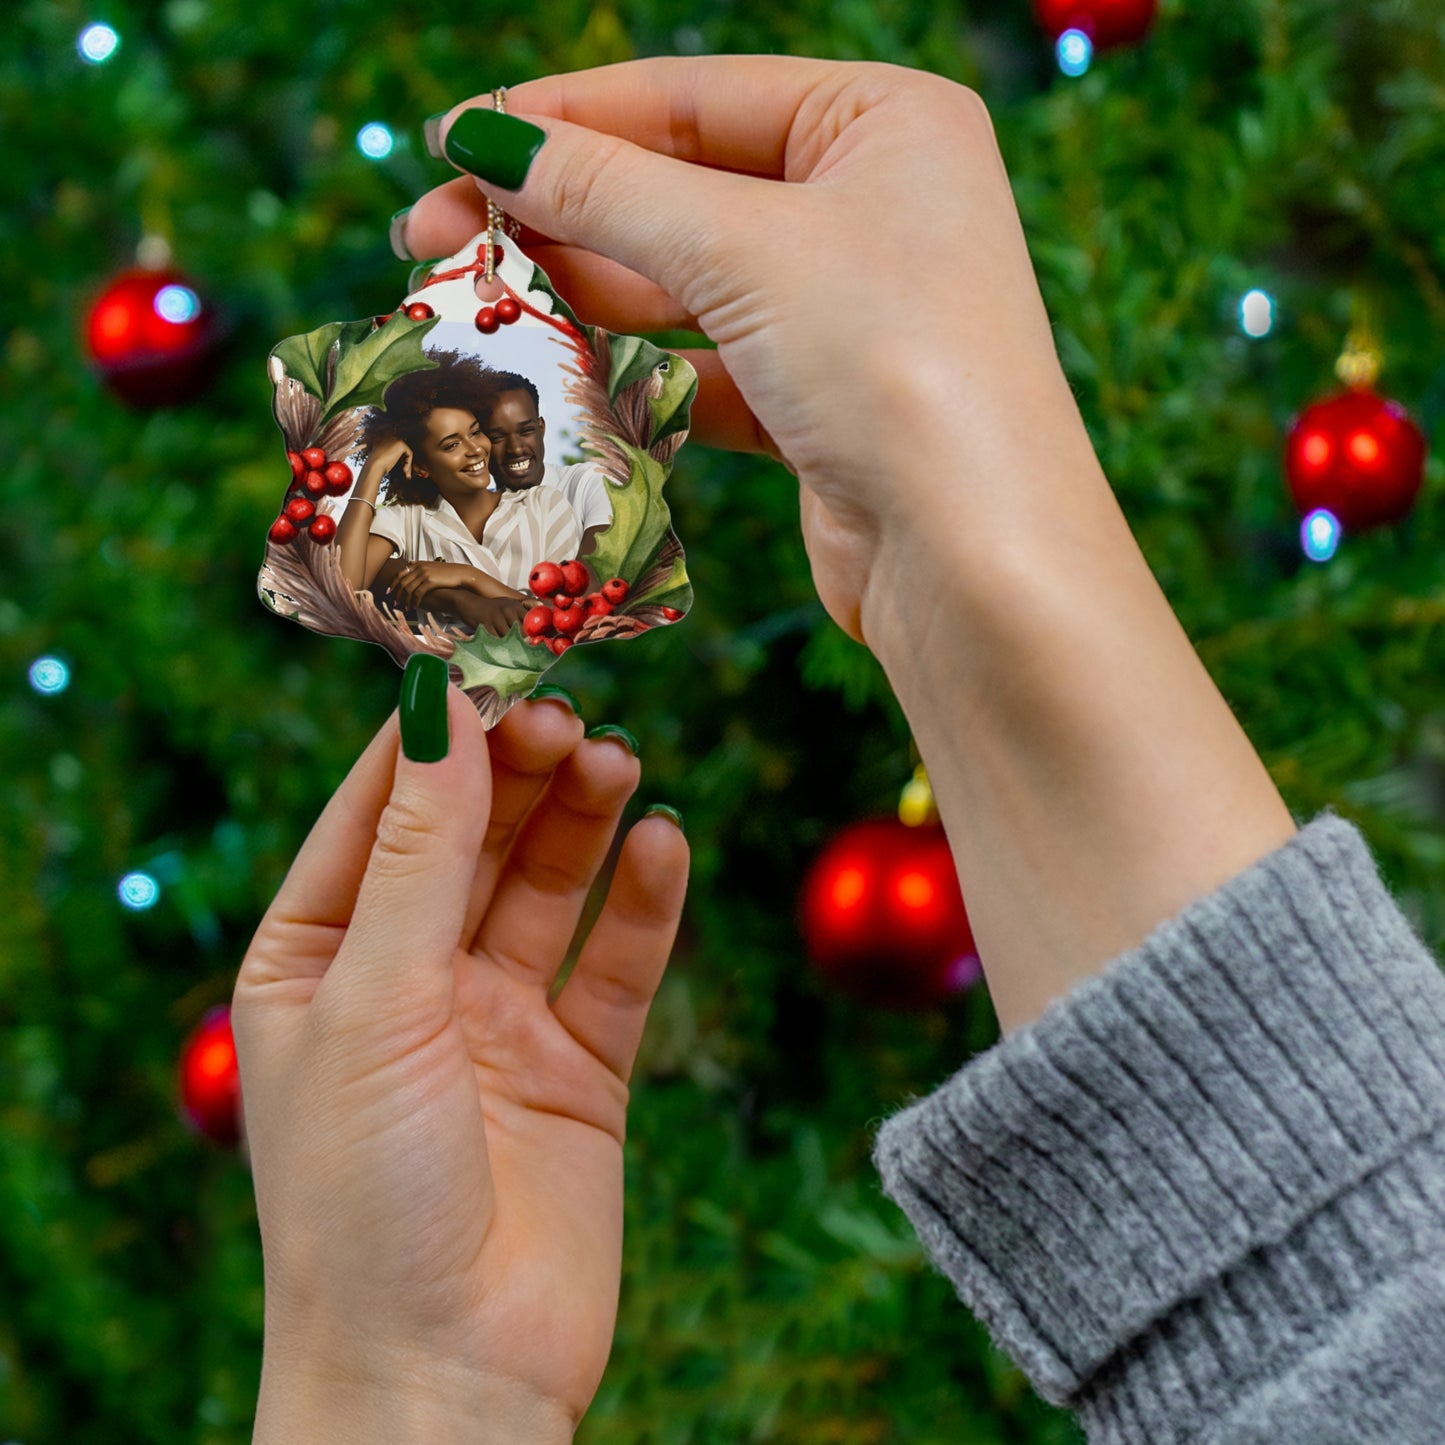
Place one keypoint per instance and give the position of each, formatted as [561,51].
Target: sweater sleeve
[1202,1198]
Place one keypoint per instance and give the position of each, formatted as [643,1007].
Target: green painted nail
[396,233]
[498,148]
[431,133]
[612,730]
[548,689]
[425,737]
[663,811]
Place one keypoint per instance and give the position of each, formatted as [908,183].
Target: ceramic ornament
[478,475]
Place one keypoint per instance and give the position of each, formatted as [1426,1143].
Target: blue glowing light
[49,675]
[1075,51]
[138,891]
[97,44]
[375,140]
[1319,535]
[1256,313]
[177,304]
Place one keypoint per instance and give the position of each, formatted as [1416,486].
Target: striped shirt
[535,524]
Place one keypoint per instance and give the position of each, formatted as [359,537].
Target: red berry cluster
[312,477]
[417,311]
[554,626]
[504,313]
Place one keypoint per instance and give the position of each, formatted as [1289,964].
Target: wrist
[408,1400]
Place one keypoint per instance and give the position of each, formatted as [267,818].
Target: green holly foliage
[770,1292]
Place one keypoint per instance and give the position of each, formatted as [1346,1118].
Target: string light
[1320,535]
[177,304]
[375,141]
[97,43]
[49,675]
[1075,52]
[138,891]
[1256,313]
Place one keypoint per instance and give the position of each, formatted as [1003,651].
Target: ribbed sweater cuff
[1216,1098]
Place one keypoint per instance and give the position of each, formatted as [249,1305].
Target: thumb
[395,964]
[663,218]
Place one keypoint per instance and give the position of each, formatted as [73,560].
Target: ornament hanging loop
[497,218]
[1360,362]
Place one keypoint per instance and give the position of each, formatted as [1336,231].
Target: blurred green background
[771,1293]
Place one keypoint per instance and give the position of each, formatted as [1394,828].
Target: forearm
[1092,779]
[353,532]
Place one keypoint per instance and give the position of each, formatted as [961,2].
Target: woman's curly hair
[457,380]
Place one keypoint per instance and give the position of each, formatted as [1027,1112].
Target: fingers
[603,193]
[737,113]
[606,998]
[297,937]
[556,854]
[526,747]
[395,963]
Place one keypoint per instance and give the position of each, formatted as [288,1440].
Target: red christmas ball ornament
[1107,23]
[1359,456]
[508,311]
[487,321]
[883,916]
[210,1080]
[152,338]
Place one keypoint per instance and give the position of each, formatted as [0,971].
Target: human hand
[412,581]
[387,453]
[906,374]
[436,1148]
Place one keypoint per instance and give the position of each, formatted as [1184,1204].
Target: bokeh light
[49,675]
[1320,535]
[375,140]
[1256,313]
[1075,52]
[177,304]
[138,891]
[97,43]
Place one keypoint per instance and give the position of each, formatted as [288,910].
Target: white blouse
[535,524]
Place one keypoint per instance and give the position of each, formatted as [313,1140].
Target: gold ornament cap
[915,804]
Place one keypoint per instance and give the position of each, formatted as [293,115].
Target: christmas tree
[1213,209]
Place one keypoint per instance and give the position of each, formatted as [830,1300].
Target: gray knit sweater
[1202,1199]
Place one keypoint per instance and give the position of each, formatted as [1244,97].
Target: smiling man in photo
[518,434]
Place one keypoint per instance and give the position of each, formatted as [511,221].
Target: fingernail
[612,730]
[424,734]
[548,689]
[671,814]
[498,148]
[431,133]
[397,234]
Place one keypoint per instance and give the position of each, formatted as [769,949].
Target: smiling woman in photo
[424,521]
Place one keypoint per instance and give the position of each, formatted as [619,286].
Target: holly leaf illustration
[559,306]
[304,357]
[640,519]
[509,664]
[672,408]
[633,359]
[367,364]
[672,590]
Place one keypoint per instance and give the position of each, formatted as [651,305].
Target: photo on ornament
[477,475]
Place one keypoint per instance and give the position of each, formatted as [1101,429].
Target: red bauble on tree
[152,338]
[883,916]
[1107,23]
[1358,456]
[210,1081]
